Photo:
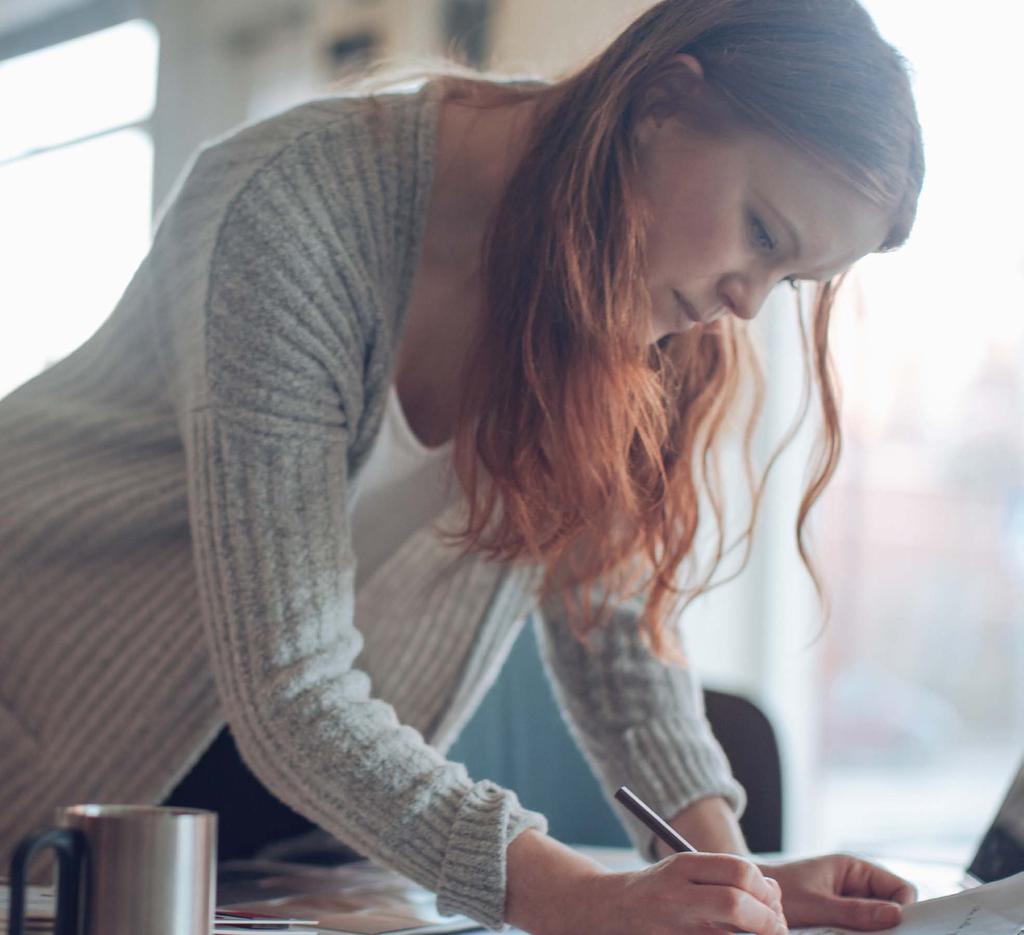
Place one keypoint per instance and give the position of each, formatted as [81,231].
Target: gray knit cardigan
[174,535]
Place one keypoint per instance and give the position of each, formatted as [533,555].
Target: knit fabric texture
[175,551]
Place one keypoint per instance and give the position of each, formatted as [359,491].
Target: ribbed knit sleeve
[638,721]
[288,339]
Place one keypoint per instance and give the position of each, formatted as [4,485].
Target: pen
[654,821]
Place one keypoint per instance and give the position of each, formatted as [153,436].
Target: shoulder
[340,153]
[314,219]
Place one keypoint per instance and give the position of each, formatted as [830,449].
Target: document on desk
[993,909]
[357,898]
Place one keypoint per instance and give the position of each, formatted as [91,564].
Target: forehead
[835,224]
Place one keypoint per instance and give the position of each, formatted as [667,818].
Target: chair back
[749,741]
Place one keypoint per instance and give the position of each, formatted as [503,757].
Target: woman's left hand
[840,891]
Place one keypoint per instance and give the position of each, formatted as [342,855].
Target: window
[922,532]
[75,182]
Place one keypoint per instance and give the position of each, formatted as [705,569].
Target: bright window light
[97,82]
[923,529]
[75,225]
[76,217]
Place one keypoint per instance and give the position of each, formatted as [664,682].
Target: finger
[737,909]
[776,901]
[905,893]
[867,915]
[889,886]
[727,870]
[871,880]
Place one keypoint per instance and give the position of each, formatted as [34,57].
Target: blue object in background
[517,738]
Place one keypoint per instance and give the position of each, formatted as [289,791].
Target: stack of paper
[252,923]
[38,909]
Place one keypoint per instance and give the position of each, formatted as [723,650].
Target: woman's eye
[760,235]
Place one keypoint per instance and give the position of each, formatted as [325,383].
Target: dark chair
[748,739]
[519,725]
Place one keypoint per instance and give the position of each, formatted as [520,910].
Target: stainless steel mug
[125,870]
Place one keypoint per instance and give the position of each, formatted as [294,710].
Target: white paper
[993,909]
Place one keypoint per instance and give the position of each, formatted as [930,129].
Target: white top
[403,486]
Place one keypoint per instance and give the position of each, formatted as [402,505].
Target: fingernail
[887,913]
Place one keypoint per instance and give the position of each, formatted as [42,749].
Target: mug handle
[69,846]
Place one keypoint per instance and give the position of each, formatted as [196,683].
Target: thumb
[867,914]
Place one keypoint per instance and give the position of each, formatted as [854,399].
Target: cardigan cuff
[473,875]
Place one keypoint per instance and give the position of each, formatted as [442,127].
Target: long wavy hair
[578,446]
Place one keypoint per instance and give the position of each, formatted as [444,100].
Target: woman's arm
[281,379]
[709,824]
[641,723]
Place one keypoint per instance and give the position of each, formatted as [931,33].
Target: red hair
[578,445]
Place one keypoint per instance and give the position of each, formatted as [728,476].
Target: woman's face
[729,220]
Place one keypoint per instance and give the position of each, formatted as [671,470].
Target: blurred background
[901,721]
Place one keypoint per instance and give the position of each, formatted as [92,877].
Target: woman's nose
[743,297]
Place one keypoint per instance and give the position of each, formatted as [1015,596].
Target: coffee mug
[125,870]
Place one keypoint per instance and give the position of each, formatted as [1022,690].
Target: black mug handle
[69,846]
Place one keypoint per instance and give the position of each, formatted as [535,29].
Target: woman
[478,338]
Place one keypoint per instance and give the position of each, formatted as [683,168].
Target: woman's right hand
[685,893]
[553,890]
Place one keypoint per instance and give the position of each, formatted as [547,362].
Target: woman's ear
[681,78]
[682,93]
[688,61]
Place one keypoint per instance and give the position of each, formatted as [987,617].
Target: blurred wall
[229,61]
[545,37]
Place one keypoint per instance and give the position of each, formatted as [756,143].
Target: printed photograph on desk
[353,899]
